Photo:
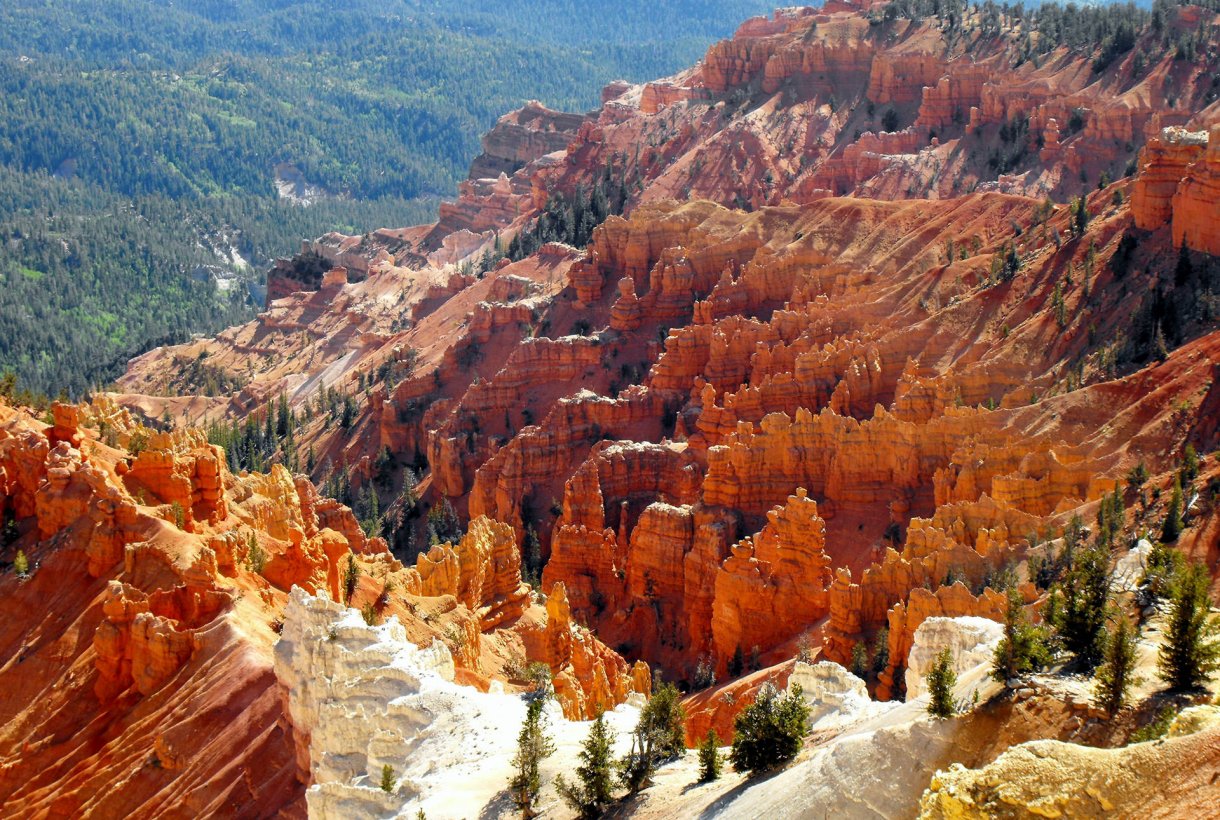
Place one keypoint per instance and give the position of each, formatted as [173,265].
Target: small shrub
[538,678]
[370,615]
[21,565]
[179,515]
[1161,571]
[351,577]
[1158,728]
[737,663]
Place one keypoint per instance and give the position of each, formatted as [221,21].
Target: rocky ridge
[162,579]
[811,383]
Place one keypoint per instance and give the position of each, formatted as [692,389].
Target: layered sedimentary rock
[1048,777]
[157,632]
[482,571]
[774,582]
[361,698]
[970,640]
[1163,164]
[752,420]
[1196,203]
[169,603]
[523,136]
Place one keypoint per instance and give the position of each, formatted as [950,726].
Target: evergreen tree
[1080,216]
[351,577]
[659,736]
[770,731]
[1191,651]
[444,526]
[1190,464]
[256,556]
[283,418]
[1137,477]
[941,679]
[881,650]
[859,660]
[388,781]
[593,792]
[1173,524]
[533,746]
[1116,676]
[1161,571]
[348,417]
[709,757]
[21,564]
[531,558]
[1024,646]
[1080,622]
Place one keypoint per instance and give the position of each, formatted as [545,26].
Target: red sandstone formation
[170,572]
[1179,184]
[776,405]
[522,136]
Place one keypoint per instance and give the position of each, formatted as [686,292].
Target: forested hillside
[140,142]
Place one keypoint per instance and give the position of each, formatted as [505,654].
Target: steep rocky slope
[138,670]
[812,386]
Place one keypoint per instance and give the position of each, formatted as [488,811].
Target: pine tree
[531,558]
[1024,646]
[1190,464]
[1191,651]
[1161,572]
[1080,216]
[533,746]
[256,556]
[593,791]
[388,781]
[1137,477]
[1173,524]
[21,564]
[941,679]
[1081,621]
[351,577]
[659,736]
[881,650]
[709,757]
[770,731]
[859,660]
[1116,676]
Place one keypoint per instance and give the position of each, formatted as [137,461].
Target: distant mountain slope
[191,127]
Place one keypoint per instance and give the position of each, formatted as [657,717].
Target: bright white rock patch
[366,697]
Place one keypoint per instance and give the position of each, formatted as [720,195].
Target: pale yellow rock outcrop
[1047,778]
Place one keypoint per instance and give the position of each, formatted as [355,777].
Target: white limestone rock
[972,641]
[362,697]
[835,696]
